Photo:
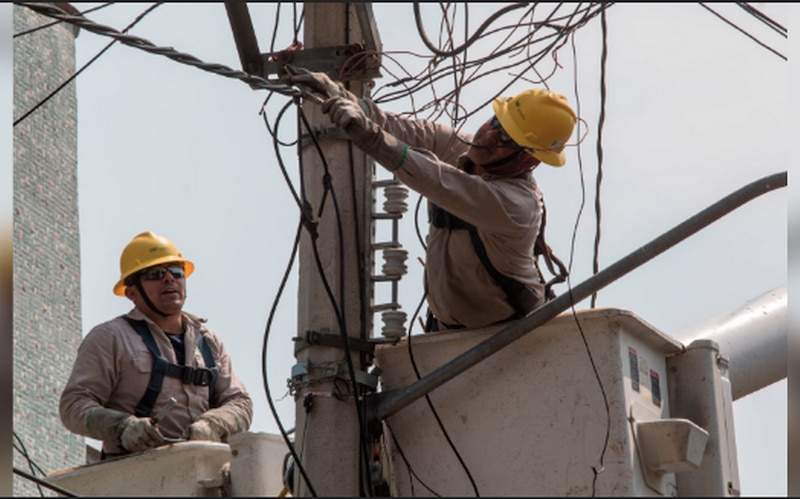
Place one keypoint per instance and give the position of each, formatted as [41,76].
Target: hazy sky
[695,110]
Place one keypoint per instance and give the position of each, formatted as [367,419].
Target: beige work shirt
[507,213]
[112,370]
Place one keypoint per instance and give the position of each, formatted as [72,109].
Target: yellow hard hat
[539,120]
[146,250]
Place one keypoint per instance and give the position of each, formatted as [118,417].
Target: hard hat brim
[119,287]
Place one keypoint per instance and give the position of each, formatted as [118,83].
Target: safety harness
[199,376]
[519,295]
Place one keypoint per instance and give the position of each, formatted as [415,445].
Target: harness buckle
[199,376]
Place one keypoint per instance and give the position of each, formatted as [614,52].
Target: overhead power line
[744,32]
[76,73]
[51,10]
[47,25]
[780,29]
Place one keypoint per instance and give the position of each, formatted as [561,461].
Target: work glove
[140,434]
[317,83]
[106,425]
[217,425]
[202,429]
[365,133]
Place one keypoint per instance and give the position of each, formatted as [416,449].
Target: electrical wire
[596,471]
[51,10]
[778,28]
[304,222]
[89,63]
[264,376]
[40,481]
[31,464]
[53,23]
[411,471]
[730,23]
[339,309]
[433,409]
[427,79]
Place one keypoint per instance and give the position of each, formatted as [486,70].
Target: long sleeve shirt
[112,370]
[507,212]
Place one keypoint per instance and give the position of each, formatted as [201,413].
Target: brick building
[47,293]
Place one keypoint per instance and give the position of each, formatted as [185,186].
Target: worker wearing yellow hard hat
[147,250]
[485,209]
[157,374]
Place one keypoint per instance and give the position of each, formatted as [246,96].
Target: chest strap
[199,376]
[519,295]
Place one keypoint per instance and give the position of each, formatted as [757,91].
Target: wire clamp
[316,338]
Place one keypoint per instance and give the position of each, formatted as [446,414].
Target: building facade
[47,294]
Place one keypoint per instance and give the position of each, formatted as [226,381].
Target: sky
[694,110]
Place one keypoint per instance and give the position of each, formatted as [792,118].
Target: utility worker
[129,368]
[485,210]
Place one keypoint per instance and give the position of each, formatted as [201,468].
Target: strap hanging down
[198,376]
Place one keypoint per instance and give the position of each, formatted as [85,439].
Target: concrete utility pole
[328,436]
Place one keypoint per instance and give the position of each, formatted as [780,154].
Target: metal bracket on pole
[323,133]
[331,340]
[342,63]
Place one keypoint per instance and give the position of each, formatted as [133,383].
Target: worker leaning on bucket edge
[483,180]
[106,395]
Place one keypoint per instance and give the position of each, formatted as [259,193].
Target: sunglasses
[158,274]
[502,136]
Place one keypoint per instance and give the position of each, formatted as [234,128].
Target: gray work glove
[140,434]
[202,429]
[317,83]
[365,133]
[217,425]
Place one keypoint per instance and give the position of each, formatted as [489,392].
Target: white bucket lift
[531,421]
[251,466]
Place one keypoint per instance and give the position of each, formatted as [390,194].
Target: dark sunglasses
[158,274]
[502,136]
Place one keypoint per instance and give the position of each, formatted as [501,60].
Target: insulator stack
[393,324]
[396,196]
[394,256]
[395,262]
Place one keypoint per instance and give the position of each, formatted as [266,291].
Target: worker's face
[164,285]
[491,143]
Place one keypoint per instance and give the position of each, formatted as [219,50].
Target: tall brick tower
[47,293]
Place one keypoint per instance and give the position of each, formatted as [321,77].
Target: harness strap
[541,247]
[199,376]
[519,295]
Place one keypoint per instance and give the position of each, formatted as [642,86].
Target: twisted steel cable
[50,10]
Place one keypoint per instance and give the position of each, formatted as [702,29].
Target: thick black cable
[439,421]
[304,222]
[264,375]
[600,123]
[89,63]
[31,464]
[51,10]
[53,23]
[41,481]
[743,31]
[276,145]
